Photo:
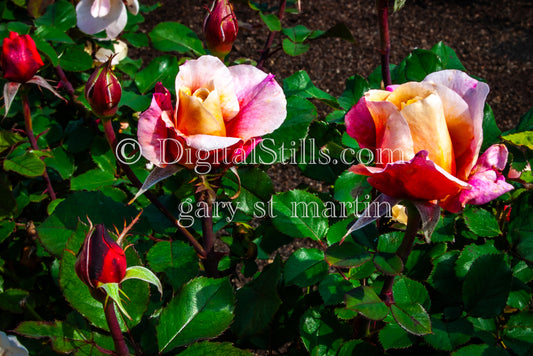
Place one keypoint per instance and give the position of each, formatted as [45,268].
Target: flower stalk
[112,140]
[382,7]
[413,223]
[121,348]
[33,141]
[265,53]
[207,196]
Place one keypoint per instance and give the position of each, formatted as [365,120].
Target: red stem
[211,259]
[265,53]
[120,345]
[112,140]
[33,141]
[383,22]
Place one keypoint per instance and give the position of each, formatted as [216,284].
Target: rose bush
[427,137]
[219,116]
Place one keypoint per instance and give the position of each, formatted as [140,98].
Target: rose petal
[419,178]
[133,6]
[486,186]
[100,8]
[360,125]
[209,72]
[393,135]
[263,106]
[474,94]
[114,22]
[495,157]
[154,127]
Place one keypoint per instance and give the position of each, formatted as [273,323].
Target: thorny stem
[382,7]
[65,82]
[33,141]
[112,140]
[121,348]
[265,53]
[211,259]
[413,222]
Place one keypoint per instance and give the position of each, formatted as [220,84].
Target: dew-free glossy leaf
[305,267]
[365,301]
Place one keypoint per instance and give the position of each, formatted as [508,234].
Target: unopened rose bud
[101,259]
[20,59]
[103,91]
[220,28]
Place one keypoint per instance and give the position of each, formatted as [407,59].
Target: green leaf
[161,69]
[173,36]
[447,56]
[61,162]
[305,267]
[55,231]
[520,295]
[356,86]
[418,64]
[321,332]
[398,4]
[298,33]
[470,253]
[94,179]
[13,299]
[443,277]
[134,101]
[75,59]
[28,164]
[177,259]
[491,132]
[388,263]
[9,139]
[392,336]
[521,227]
[213,348]
[348,254]
[407,291]
[7,200]
[203,308]
[258,302]
[255,189]
[6,229]
[138,40]
[333,288]
[339,30]
[143,274]
[524,138]
[272,21]
[299,214]
[481,222]
[412,317]
[447,336]
[60,15]
[366,302]
[479,349]
[520,327]
[301,85]
[486,286]
[53,34]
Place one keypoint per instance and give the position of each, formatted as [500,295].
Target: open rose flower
[220,115]
[426,138]
[94,16]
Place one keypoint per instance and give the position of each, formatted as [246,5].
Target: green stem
[120,345]
[33,141]
[382,7]
[413,223]
[112,140]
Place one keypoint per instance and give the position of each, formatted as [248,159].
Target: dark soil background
[493,39]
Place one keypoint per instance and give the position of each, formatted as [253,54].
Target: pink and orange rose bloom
[427,137]
[219,116]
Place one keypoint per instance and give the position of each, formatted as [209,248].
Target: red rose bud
[101,259]
[20,59]
[220,28]
[103,91]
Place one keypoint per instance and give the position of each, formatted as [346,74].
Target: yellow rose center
[410,101]
[200,113]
